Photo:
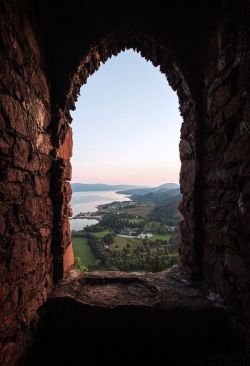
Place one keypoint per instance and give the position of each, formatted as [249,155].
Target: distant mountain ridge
[166,199]
[88,187]
[145,190]
[158,197]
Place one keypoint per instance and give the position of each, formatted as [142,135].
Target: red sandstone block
[65,149]
[40,86]
[65,192]
[34,304]
[38,113]
[15,175]
[68,259]
[64,169]
[24,256]
[21,153]
[43,143]
[16,114]
[45,163]
[42,185]
[6,143]
[45,232]
[12,191]
[38,211]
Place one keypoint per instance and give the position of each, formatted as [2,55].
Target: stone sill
[111,289]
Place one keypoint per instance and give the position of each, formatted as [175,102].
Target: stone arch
[152,49]
[42,46]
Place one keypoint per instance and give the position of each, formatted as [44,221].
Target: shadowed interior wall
[226,162]
[26,215]
[47,53]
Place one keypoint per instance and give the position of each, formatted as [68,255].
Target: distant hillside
[86,187]
[161,196]
[142,191]
[166,201]
[167,211]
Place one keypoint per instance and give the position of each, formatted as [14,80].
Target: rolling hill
[144,190]
[88,187]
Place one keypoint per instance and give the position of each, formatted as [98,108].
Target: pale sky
[126,126]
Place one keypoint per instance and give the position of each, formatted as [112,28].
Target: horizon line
[124,184]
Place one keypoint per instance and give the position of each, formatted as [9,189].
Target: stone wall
[46,53]
[226,215]
[26,214]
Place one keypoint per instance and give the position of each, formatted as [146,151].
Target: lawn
[122,243]
[100,234]
[160,237]
[83,251]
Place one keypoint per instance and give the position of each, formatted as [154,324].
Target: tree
[108,239]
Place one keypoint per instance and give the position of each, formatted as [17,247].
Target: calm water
[88,201]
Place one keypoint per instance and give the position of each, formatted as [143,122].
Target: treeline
[131,259]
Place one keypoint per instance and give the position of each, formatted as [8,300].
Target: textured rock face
[128,317]
[226,210]
[43,63]
[25,179]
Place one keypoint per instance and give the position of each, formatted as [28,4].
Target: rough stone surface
[112,289]
[25,208]
[47,52]
[68,259]
[226,209]
[129,316]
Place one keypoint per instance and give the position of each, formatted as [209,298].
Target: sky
[126,125]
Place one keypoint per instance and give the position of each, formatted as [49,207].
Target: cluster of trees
[94,228]
[157,228]
[167,213]
[115,222]
[145,260]
[112,221]
[131,259]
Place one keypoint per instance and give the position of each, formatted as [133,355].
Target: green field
[152,226]
[120,243]
[160,237]
[100,234]
[83,251]
[142,210]
[135,221]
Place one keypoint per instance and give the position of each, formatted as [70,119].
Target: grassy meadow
[83,251]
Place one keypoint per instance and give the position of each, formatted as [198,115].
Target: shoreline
[88,215]
[94,213]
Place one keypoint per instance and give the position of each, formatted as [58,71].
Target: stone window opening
[165,118]
[47,53]
[159,56]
